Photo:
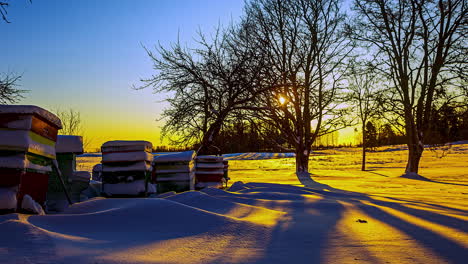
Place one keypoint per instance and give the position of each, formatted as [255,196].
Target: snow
[125,188]
[20,161]
[22,140]
[32,110]
[8,198]
[127,156]
[338,214]
[176,157]
[96,172]
[69,144]
[201,185]
[30,205]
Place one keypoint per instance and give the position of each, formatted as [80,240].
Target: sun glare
[281,100]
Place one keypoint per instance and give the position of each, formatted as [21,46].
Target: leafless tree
[419,46]
[9,93]
[305,50]
[364,94]
[209,85]
[72,125]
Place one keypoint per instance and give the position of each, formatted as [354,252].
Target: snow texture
[30,205]
[21,140]
[69,144]
[201,185]
[31,110]
[19,161]
[8,197]
[176,157]
[97,172]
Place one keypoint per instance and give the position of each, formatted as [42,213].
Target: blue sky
[87,54]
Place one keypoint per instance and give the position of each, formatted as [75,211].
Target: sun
[281,100]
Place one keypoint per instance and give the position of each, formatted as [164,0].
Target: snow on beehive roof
[32,110]
[125,143]
[176,157]
[69,144]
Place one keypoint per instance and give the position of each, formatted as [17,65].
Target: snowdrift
[250,223]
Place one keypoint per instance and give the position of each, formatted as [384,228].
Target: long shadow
[376,173]
[428,204]
[302,237]
[294,239]
[451,251]
[449,183]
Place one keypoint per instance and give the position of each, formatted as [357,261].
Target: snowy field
[338,215]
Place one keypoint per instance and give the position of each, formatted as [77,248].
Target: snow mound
[139,219]
[225,207]
[414,176]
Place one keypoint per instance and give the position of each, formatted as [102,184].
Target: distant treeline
[448,124]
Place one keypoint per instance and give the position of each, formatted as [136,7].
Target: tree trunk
[363,167]
[302,161]
[415,149]
[209,137]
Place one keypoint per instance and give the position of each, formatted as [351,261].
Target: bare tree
[302,43]
[209,85]
[9,93]
[365,96]
[419,46]
[72,125]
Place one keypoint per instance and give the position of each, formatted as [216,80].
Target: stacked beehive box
[67,148]
[126,168]
[174,172]
[27,148]
[209,171]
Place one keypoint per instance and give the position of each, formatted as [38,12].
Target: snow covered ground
[338,215]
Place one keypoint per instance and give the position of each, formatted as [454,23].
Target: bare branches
[9,93]
[420,48]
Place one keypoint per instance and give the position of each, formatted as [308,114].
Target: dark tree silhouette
[305,50]
[419,46]
[9,93]
[210,85]
[366,97]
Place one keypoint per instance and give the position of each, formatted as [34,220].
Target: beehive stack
[209,171]
[27,148]
[67,148]
[174,172]
[126,168]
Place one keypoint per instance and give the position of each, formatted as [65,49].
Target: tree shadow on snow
[442,245]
